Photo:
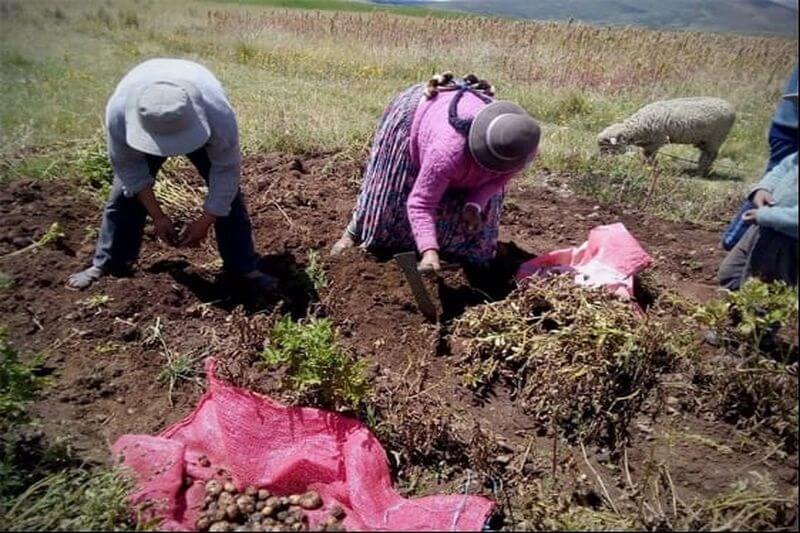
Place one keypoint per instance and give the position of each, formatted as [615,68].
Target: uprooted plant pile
[227,509]
[581,360]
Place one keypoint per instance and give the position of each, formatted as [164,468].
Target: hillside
[740,16]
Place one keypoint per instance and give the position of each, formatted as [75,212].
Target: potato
[229,487]
[246,504]
[213,487]
[232,511]
[220,526]
[263,494]
[272,501]
[310,500]
[268,510]
[225,499]
[203,523]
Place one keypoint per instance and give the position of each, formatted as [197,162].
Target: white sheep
[702,121]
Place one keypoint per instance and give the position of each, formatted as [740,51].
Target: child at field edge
[440,160]
[768,250]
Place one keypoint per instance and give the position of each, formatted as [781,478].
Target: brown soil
[106,373]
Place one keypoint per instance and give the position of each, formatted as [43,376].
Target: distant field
[310,80]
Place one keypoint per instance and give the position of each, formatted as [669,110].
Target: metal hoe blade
[408,263]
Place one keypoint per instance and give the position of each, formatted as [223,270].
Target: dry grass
[650,502]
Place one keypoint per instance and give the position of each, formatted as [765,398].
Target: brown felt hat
[503,137]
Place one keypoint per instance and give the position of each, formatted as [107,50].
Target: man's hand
[472,217]
[430,262]
[197,231]
[763,198]
[165,230]
[163,224]
[749,216]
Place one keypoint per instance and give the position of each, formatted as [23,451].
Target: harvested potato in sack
[241,462]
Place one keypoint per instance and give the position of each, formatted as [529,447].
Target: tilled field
[106,348]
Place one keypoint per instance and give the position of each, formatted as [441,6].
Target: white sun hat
[166,118]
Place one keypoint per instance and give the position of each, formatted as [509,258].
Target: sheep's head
[612,140]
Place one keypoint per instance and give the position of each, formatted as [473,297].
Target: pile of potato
[226,509]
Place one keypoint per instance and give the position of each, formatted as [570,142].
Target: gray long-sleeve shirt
[130,165]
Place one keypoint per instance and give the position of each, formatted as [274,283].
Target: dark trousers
[762,253]
[124,218]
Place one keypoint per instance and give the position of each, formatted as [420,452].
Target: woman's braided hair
[446,81]
[469,83]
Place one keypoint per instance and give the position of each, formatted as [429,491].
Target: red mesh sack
[286,450]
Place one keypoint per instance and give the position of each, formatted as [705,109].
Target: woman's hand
[472,217]
[430,261]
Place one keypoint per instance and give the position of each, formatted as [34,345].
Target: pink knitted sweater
[442,155]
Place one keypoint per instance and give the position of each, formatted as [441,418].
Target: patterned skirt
[380,221]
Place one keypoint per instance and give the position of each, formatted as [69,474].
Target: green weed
[52,235]
[92,165]
[6,281]
[74,500]
[19,383]
[746,318]
[316,271]
[96,301]
[24,457]
[318,368]
[752,383]
[178,367]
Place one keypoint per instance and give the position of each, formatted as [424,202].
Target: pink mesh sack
[609,258]
[286,450]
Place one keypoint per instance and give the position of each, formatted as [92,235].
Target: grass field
[307,80]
